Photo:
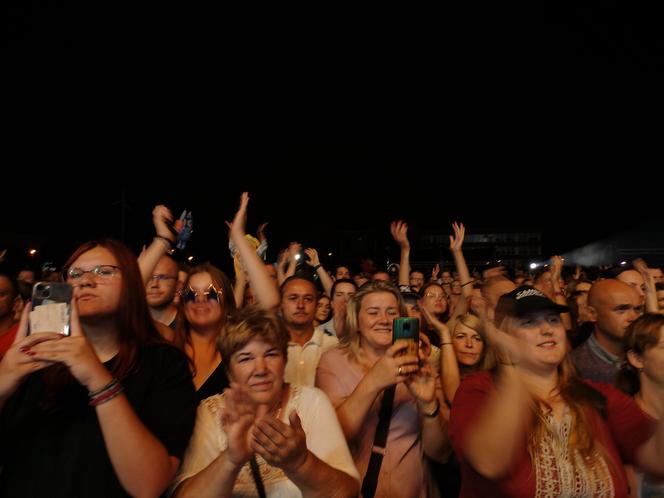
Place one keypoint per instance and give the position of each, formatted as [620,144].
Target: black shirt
[214,384]
[60,452]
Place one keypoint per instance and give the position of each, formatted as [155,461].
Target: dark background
[505,117]
[350,220]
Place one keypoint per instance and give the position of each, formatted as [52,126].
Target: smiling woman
[371,376]
[264,437]
[531,427]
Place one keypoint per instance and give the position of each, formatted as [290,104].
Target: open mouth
[547,344]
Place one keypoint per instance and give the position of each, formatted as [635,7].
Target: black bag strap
[257,477]
[370,481]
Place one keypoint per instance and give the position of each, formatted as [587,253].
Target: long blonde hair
[352,338]
[488,359]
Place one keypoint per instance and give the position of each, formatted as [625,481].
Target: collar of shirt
[602,353]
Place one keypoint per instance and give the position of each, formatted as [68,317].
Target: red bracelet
[106,393]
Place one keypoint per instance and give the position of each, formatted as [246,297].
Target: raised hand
[434,321]
[435,271]
[556,268]
[238,225]
[456,240]
[314,260]
[162,218]
[280,445]
[260,232]
[399,231]
[510,349]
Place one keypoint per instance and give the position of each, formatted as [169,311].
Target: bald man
[613,305]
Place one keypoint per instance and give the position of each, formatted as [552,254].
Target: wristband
[435,411]
[166,240]
[317,266]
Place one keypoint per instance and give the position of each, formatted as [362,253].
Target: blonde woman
[356,376]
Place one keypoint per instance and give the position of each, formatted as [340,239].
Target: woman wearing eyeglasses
[206,302]
[107,411]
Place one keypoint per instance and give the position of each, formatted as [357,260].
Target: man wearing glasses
[161,290]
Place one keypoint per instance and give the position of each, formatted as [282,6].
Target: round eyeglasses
[161,278]
[99,272]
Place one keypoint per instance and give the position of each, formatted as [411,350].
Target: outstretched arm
[264,289]
[652,306]
[450,376]
[556,272]
[456,242]
[399,231]
[325,279]
[161,244]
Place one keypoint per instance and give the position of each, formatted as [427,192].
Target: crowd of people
[285,379]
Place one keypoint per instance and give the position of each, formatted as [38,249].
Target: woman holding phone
[106,411]
[356,378]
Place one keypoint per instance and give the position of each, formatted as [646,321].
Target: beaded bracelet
[106,393]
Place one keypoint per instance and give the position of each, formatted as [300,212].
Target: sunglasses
[189,295]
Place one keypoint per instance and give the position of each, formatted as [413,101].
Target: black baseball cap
[523,301]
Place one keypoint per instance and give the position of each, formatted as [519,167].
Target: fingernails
[24,349]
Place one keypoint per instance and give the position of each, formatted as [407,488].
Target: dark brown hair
[134,323]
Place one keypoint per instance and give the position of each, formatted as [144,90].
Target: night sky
[504,117]
[323,218]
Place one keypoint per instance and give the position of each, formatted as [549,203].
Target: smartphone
[51,308]
[407,328]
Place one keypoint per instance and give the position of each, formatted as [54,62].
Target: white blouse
[325,439]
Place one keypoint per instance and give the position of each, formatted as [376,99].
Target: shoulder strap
[370,481]
[257,477]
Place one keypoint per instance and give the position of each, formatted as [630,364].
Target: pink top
[402,473]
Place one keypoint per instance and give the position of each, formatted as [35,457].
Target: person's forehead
[299,286]
[166,265]
[97,255]
[630,276]
[622,295]
[5,283]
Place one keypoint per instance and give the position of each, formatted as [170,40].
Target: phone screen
[51,308]
[407,328]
